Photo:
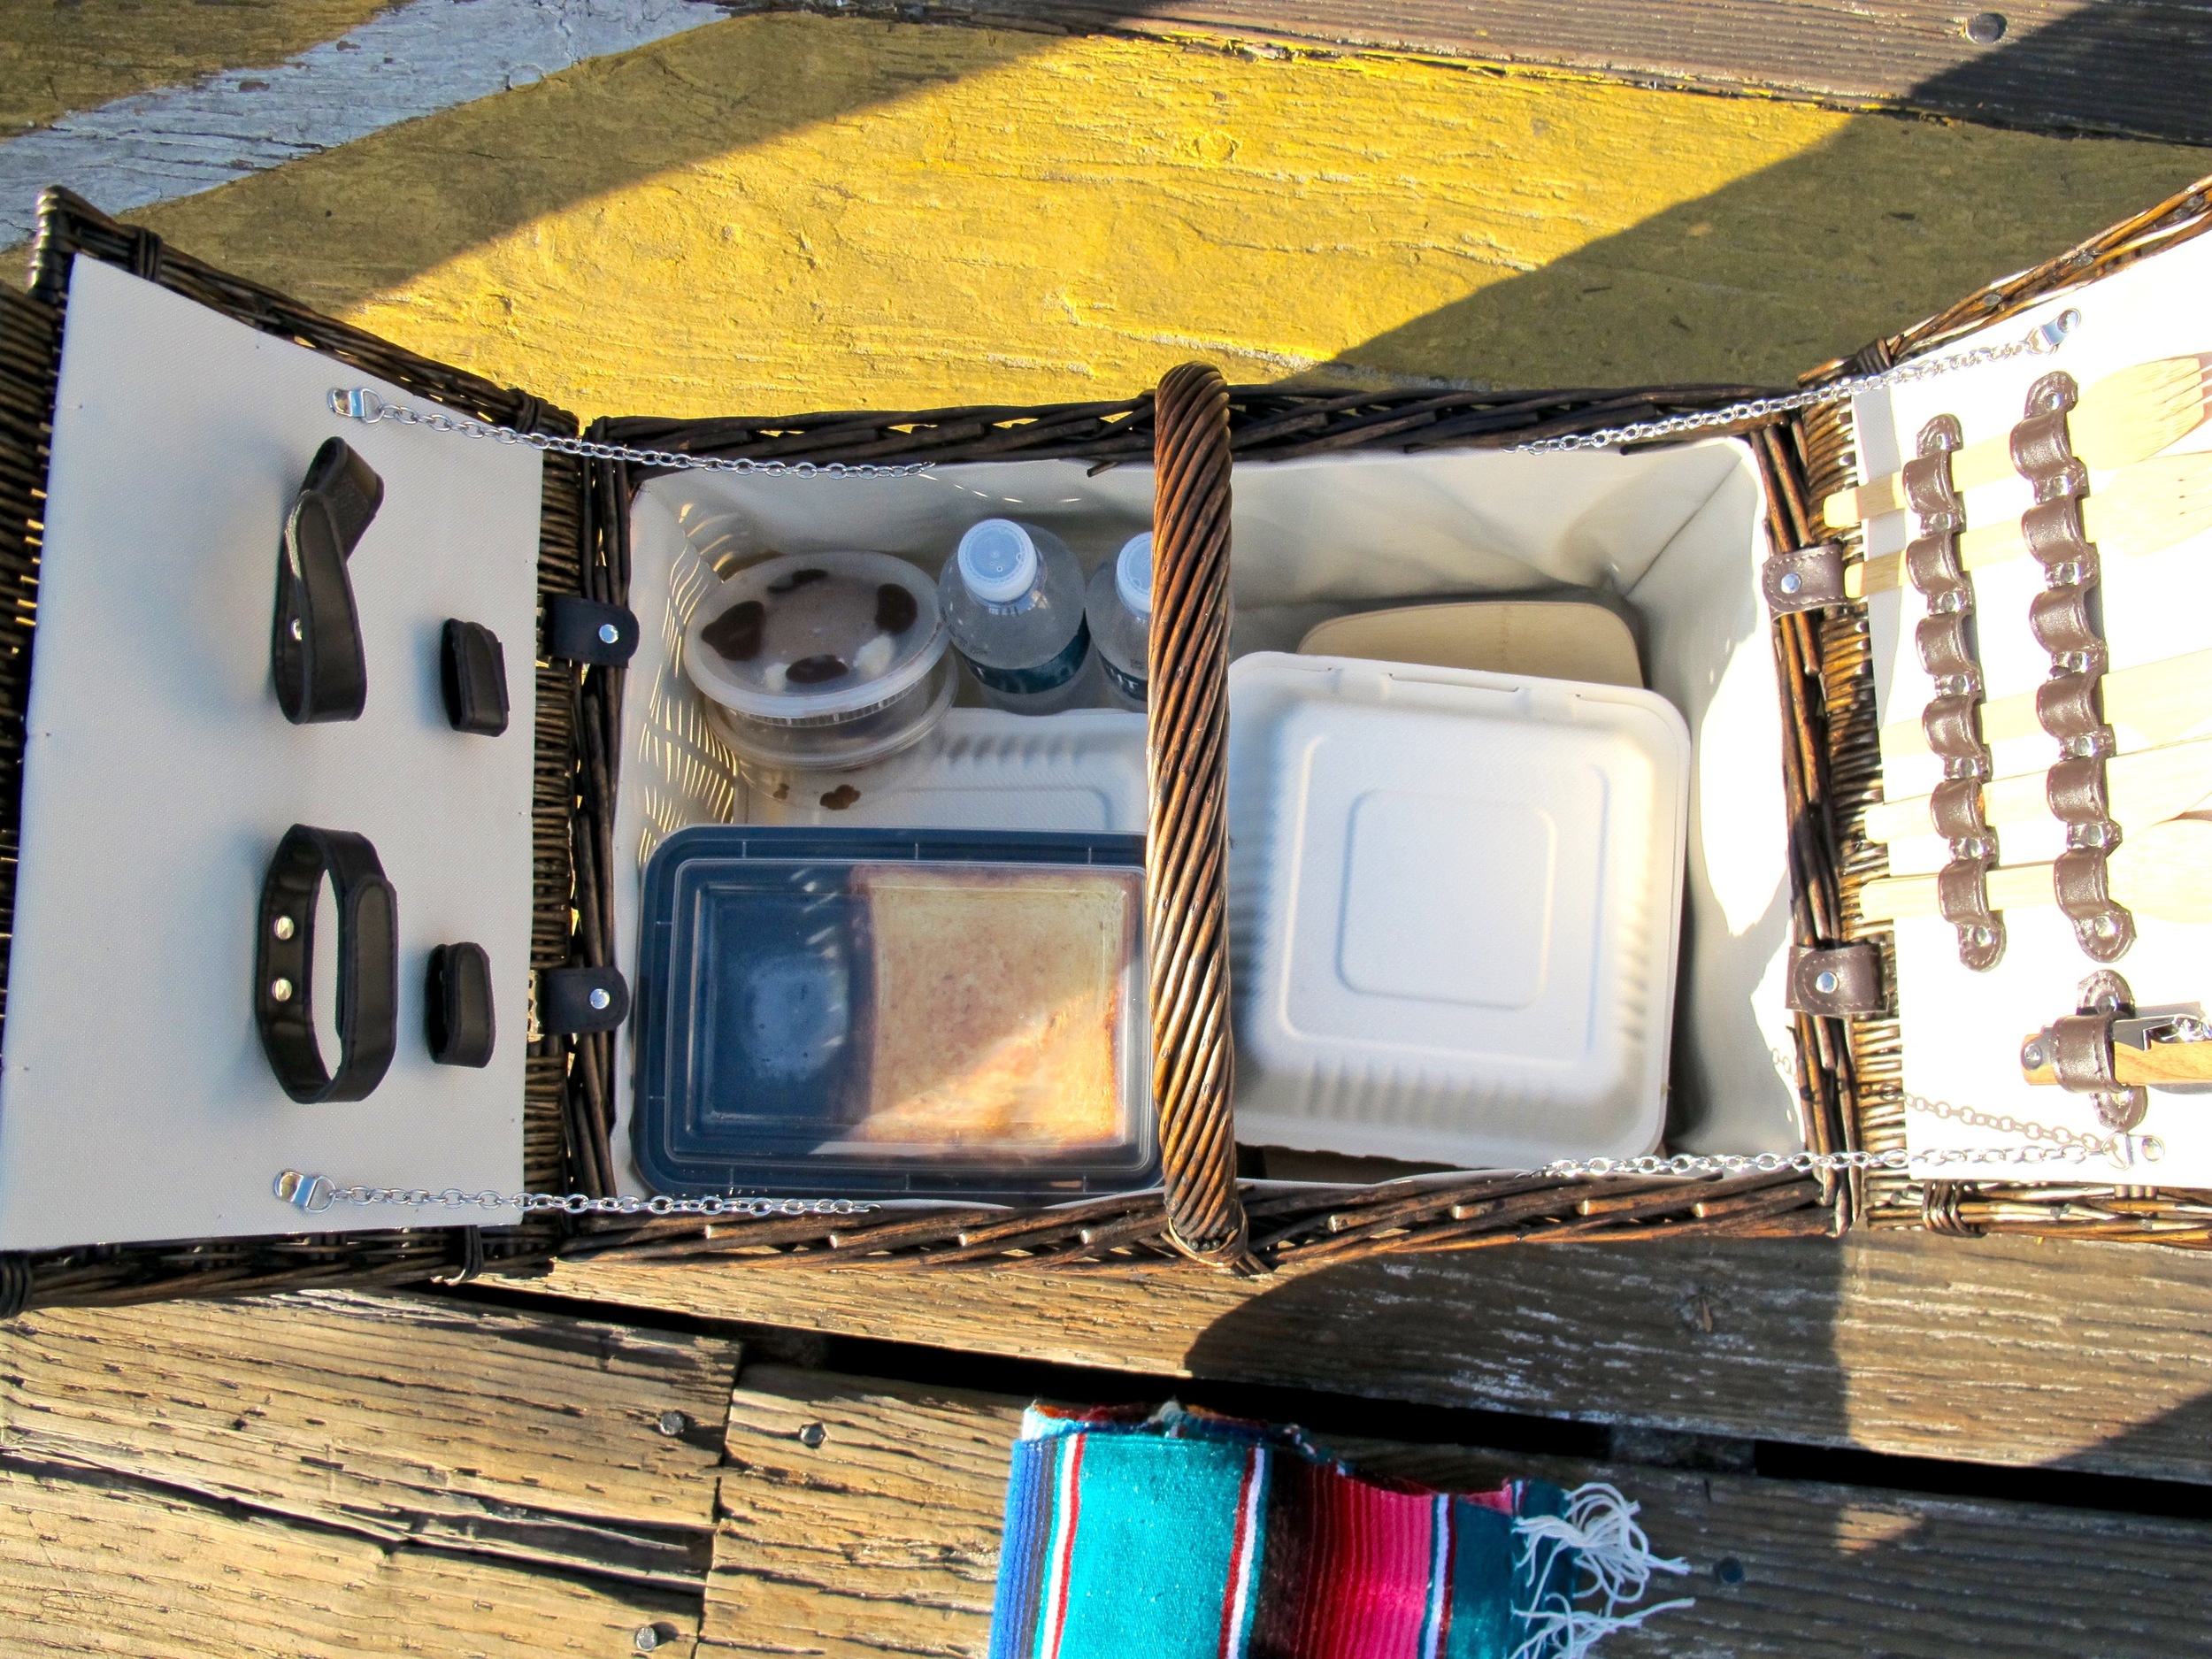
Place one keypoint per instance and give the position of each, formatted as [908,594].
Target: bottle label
[1049,675]
[1130,686]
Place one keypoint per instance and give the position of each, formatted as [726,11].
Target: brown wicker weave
[1192,430]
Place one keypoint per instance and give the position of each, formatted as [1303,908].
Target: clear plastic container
[924,1013]
[1118,608]
[1013,596]
[825,673]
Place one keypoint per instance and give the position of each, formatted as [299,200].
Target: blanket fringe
[1610,1551]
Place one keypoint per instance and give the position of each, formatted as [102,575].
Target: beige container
[1551,639]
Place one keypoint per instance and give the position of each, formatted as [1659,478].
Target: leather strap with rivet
[2070,703]
[2078,1049]
[368,971]
[1952,720]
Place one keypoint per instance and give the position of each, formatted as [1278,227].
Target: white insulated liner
[1454,903]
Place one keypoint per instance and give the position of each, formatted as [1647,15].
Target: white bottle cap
[1133,573]
[998,561]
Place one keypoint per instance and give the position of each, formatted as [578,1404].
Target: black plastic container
[930,1013]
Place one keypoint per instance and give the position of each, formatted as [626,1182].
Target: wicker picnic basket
[1194,429]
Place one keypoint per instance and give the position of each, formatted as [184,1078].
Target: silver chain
[2039,341]
[361,404]
[315,1193]
[366,406]
[2121,1149]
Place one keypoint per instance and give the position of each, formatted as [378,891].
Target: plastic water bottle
[1012,595]
[1118,608]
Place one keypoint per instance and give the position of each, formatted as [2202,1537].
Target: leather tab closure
[580,630]
[2077,1049]
[578,1001]
[1839,981]
[1804,579]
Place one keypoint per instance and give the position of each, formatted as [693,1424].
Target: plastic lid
[1133,573]
[815,636]
[998,561]
[923,1013]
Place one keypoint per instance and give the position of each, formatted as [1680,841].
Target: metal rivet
[609,633]
[601,1000]
[2032,1056]
[1985,935]
[647,1637]
[280,990]
[1824,981]
[298,632]
[1728,1570]
[672,1423]
[812,1435]
[1985,28]
[284,928]
[1791,582]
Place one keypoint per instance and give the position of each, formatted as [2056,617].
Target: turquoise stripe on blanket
[1185,1535]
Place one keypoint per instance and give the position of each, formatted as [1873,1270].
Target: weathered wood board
[538,1438]
[2058,64]
[880,1537]
[93,1565]
[2090,1356]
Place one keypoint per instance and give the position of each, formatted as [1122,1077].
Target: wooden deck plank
[541,1439]
[880,1537]
[93,1566]
[2060,64]
[2088,1356]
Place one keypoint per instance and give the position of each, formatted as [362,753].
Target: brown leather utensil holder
[1945,638]
[2069,705]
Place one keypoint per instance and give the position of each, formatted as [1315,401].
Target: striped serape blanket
[1180,1535]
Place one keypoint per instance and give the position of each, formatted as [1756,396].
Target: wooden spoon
[2121,418]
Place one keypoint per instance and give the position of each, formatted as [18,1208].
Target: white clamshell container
[1456,904]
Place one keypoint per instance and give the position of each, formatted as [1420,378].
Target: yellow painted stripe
[785,211]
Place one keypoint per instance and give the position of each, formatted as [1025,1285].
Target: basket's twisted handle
[1187,853]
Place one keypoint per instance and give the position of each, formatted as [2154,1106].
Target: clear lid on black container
[924,1013]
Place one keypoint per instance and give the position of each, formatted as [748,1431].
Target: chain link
[2120,1149]
[315,1193]
[362,404]
[366,406]
[2039,341]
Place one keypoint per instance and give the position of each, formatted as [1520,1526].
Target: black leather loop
[579,630]
[315,652]
[472,673]
[581,1000]
[368,971]
[456,1005]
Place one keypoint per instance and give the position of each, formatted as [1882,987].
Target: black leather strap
[368,971]
[472,673]
[581,1000]
[456,1005]
[315,651]
[579,630]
